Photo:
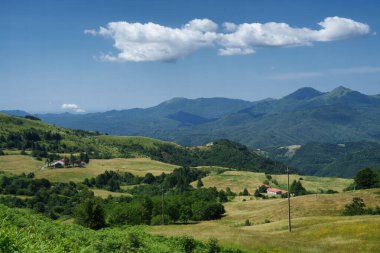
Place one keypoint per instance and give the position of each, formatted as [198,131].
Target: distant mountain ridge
[306,115]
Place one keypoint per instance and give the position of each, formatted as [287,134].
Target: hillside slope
[42,139]
[23,231]
[327,159]
[316,220]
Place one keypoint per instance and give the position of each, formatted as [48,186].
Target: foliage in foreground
[23,231]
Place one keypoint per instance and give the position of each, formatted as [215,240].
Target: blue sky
[47,60]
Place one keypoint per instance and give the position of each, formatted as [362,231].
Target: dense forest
[328,159]
[156,200]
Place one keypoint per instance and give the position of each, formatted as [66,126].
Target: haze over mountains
[307,115]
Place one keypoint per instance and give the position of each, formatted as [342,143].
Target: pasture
[238,180]
[16,164]
[317,225]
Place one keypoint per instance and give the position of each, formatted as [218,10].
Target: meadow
[316,221]
[238,180]
[16,164]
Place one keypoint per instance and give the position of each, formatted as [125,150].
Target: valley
[131,177]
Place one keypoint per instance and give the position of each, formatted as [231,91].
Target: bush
[90,213]
[247,223]
[188,244]
[357,207]
[212,246]
[366,179]
[157,220]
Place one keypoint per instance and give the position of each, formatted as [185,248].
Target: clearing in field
[317,225]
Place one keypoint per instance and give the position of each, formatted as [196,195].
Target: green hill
[42,139]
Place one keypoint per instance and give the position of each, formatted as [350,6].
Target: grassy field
[17,164]
[104,193]
[317,225]
[238,180]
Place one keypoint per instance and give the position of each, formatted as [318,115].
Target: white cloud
[244,38]
[154,42]
[72,107]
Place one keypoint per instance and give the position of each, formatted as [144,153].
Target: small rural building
[58,164]
[275,191]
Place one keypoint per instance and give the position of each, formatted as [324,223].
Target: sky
[86,56]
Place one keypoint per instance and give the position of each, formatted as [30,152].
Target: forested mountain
[327,159]
[307,115]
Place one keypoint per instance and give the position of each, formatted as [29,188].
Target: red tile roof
[276,190]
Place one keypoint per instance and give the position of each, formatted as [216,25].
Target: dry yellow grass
[317,225]
[238,180]
[104,193]
[17,164]
[137,166]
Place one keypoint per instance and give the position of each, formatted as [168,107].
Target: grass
[145,142]
[238,180]
[17,164]
[104,193]
[317,225]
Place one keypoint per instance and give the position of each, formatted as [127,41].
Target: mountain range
[307,115]
[332,133]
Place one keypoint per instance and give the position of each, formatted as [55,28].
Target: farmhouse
[275,191]
[58,164]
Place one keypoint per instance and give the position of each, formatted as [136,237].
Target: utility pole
[162,205]
[289,221]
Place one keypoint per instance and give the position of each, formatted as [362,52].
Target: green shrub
[212,246]
[90,213]
[357,207]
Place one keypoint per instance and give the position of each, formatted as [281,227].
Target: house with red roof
[275,191]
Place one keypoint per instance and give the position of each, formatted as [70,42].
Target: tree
[223,196]
[149,178]
[257,193]
[185,213]
[199,183]
[245,192]
[357,207]
[297,189]
[366,179]
[90,213]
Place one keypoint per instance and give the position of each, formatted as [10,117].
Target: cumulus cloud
[244,38]
[154,42]
[72,108]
